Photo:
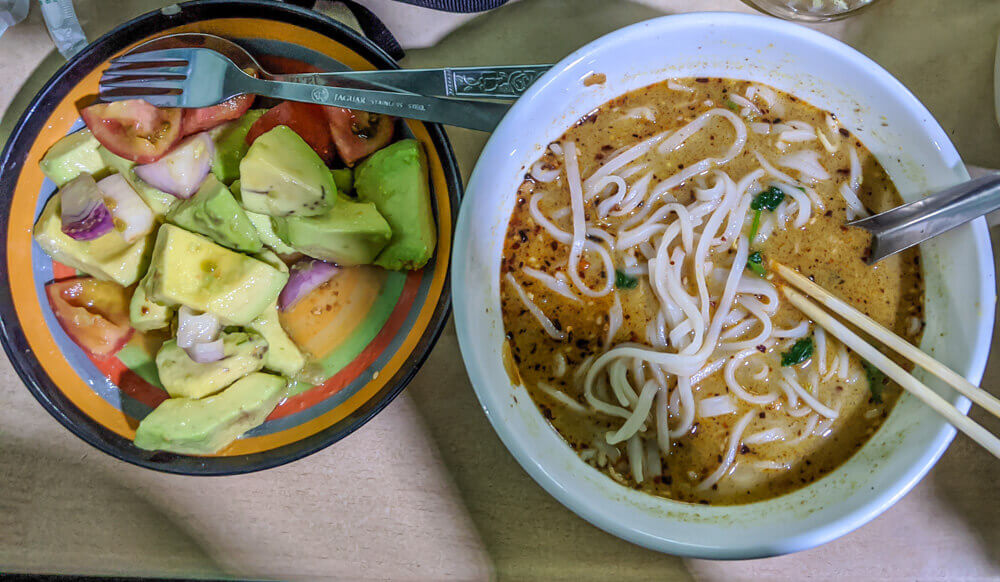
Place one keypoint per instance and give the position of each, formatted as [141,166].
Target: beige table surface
[426,491]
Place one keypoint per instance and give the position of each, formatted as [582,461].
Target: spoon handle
[503,82]
[910,224]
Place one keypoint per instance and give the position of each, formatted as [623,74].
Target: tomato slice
[304,119]
[134,129]
[93,313]
[358,134]
[202,118]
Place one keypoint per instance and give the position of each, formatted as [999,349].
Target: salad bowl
[369,355]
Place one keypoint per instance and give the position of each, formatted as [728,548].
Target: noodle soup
[639,309]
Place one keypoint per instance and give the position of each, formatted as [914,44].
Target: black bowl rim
[11,161]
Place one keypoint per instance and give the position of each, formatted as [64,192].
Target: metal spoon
[505,83]
[911,224]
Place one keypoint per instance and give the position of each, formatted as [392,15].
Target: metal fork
[195,77]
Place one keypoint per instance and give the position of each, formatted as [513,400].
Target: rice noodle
[579,228]
[808,398]
[553,230]
[765,436]
[849,190]
[735,438]
[736,388]
[621,189]
[642,407]
[716,406]
[563,398]
[540,174]
[806,432]
[555,284]
[674,85]
[641,113]
[767,96]
[806,162]
[819,338]
[617,162]
[773,171]
[543,320]
[795,131]
[771,466]
[828,145]
[635,195]
[635,457]
[559,367]
[748,110]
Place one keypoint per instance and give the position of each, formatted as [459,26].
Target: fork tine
[154,56]
[149,71]
[107,79]
[145,83]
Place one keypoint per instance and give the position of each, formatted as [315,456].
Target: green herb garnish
[768,199]
[732,105]
[755,262]
[625,281]
[801,351]
[876,381]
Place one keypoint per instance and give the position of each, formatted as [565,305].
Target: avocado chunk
[213,212]
[395,180]
[231,145]
[262,222]
[158,201]
[188,269]
[271,259]
[282,176]
[147,315]
[351,233]
[282,356]
[107,257]
[71,156]
[344,179]
[183,377]
[202,427]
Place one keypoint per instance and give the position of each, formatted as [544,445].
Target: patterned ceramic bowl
[369,349]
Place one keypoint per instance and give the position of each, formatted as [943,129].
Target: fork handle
[911,224]
[480,115]
[502,82]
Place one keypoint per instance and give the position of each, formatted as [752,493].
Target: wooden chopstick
[893,370]
[891,340]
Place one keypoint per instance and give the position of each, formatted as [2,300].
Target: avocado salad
[201,227]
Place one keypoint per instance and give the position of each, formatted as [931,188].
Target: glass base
[810,10]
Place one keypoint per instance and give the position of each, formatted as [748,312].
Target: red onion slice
[303,277]
[131,215]
[181,171]
[195,329]
[84,215]
[206,353]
